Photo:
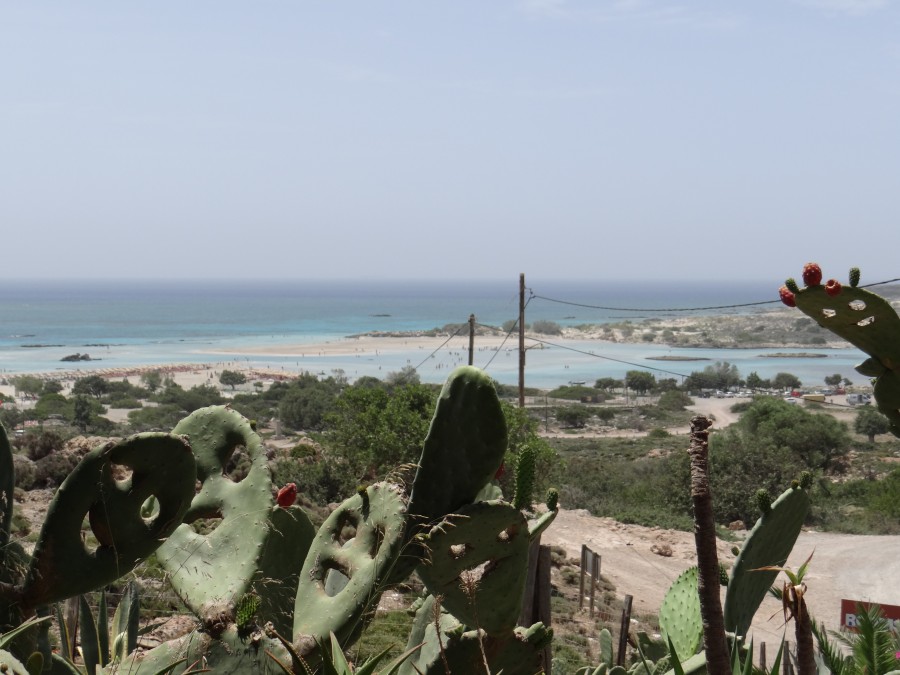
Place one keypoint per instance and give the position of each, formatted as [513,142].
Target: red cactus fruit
[787,297]
[833,287]
[287,495]
[812,274]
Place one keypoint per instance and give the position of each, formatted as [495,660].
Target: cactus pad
[367,561]
[464,447]
[161,466]
[478,563]
[769,543]
[515,652]
[679,615]
[210,572]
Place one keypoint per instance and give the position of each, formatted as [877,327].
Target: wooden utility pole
[471,339]
[522,340]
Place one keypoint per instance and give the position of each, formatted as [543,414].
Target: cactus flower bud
[287,496]
[791,284]
[833,287]
[763,501]
[552,499]
[854,277]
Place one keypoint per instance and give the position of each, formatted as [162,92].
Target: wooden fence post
[623,631]
[584,558]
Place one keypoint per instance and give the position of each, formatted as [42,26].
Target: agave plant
[874,648]
[793,604]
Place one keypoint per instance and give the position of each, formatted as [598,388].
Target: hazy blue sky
[428,139]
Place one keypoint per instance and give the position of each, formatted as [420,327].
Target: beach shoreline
[578,353]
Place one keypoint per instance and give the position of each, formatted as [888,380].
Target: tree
[574,416]
[52,387]
[755,382]
[374,430]
[405,376]
[305,408]
[767,448]
[81,413]
[28,385]
[667,384]
[786,381]
[92,385]
[152,379]
[546,327]
[607,384]
[721,375]
[232,378]
[833,380]
[640,381]
[52,404]
[869,422]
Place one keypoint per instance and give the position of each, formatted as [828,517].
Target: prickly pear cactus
[161,466]
[464,447]
[679,615]
[864,319]
[212,571]
[769,543]
[378,516]
[486,532]
[448,646]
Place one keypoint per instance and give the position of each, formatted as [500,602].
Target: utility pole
[471,339]
[522,340]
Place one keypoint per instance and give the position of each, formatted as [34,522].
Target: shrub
[25,472]
[546,327]
[674,400]
[39,445]
[52,470]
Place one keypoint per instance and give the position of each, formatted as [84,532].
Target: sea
[130,323]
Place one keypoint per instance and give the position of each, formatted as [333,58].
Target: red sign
[848,613]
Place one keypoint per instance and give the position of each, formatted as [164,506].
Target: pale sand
[353,346]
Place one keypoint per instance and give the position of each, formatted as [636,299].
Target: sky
[411,139]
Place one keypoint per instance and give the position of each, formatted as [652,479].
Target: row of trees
[720,375]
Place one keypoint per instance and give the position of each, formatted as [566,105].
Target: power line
[440,347]
[679,309]
[510,332]
[586,353]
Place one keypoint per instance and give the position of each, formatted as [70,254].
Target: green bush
[674,400]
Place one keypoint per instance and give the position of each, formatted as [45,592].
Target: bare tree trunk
[806,660]
[717,656]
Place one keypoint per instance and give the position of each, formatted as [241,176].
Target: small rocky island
[78,357]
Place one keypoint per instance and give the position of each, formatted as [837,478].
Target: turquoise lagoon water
[130,323]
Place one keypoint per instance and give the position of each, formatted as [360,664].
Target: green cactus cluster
[268,590]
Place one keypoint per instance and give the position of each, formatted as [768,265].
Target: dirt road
[844,566]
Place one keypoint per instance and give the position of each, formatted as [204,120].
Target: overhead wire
[680,309]
[457,332]
[533,295]
[509,332]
